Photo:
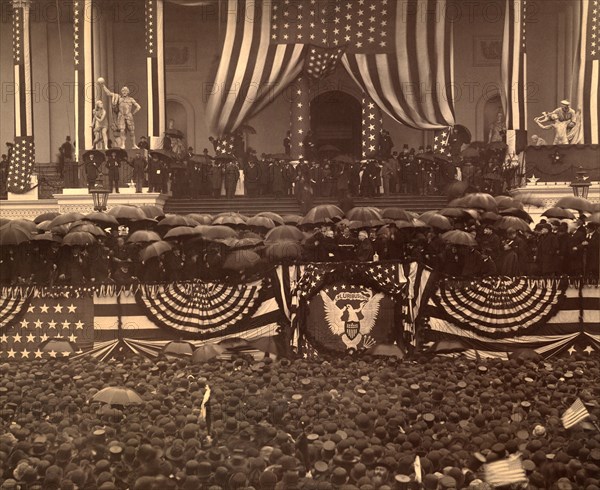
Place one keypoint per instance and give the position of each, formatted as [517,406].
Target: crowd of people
[551,248]
[280,424]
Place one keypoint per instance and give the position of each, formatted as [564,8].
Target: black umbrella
[98,155]
[45,217]
[118,153]
[462,134]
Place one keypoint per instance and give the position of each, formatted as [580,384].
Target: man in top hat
[139,165]
[92,169]
[112,164]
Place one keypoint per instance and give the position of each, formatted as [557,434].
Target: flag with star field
[398,51]
[44,318]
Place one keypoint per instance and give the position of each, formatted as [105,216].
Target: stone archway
[336,119]
[182,112]
[487,107]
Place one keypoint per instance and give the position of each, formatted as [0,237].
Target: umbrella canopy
[87,227]
[278,220]
[507,222]
[437,221]
[230,219]
[218,232]
[65,219]
[25,224]
[269,345]
[480,200]
[114,395]
[285,232]
[507,202]
[178,348]
[154,250]
[261,222]
[173,220]
[578,203]
[363,213]
[457,189]
[102,219]
[240,260]
[45,217]
[153,212]
[207,352]
[396,214]
[143,236]
[124,213]
[47,237]
[203,219]
[462,134]
[44,226]
[99,156]
[118,153]
[292,219]
[595,218]
[57,346]
[458,237]
[454,213]
[490,217]
[79,239]
[517,213]
[241,243]
[13,234]
[386,350]
[283,249]
[321,214]
[558,213]
[470,152]
[180,232]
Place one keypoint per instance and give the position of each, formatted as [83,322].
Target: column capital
[25,4]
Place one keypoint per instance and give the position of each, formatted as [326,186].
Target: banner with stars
[155,61]
[299,115]
[23,155]
[47,318]
[372,124]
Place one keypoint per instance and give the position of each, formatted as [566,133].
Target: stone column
[299,115]
[372,124]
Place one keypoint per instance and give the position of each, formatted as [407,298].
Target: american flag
[441,141]
[390,45]
[156,71]
[84,74]
[48,318]
[588,85]
[225,145]
[575,414]
[321,62]
[505,472]
[372,124]
[23,157]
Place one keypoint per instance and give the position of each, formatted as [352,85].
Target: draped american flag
[575,414]
[588,85]
[441,144]
[399,52]
[23,156]
[505,472]
[155,66]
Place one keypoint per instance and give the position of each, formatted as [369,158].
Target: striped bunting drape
[252,71]
[412,84]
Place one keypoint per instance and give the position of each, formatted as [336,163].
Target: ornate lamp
[581,184]
[100,197]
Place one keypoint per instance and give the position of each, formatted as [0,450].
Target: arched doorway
[492,107]
[336,119]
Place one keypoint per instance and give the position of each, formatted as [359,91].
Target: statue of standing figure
[124,107]
[565,121]
[100,127]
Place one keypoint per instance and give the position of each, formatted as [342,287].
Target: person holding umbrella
[154,174]
[112,164]
[139,165]
[92,170]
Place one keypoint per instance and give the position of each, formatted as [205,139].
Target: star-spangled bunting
[322,62]
[372,124]
[44,319]
[22,163]
[225,145]
[441,143]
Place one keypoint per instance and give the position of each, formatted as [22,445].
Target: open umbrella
[488,216]
[203,219]
[25,224]
[278,220]
[240,260]
[291,219]
[457,189]
[154,250]
[321,214]
[364,214]
[261,222]
[178,348]
[507,222]
[118,153]
[386,350]
[594,218]
[124,213]
[13,234]
[454,213]
[65,219]
[463,135]
[114,395]
[507,202]
[480,200]
[45,217]
[517,213]
[437,221]
[230,219]
[102,219]
[44,226]
[99,156]
[285,232]
[143,236]
[207,352]
[578,203]
[241,243]
[558,213]
[57,347]
[218,232]
[153,212]
[87,227]
[270,345]
[173,220]
[78,239]
[46,237]
[283,250]
[396,214]
[180,232]
[470,152]
[458,237]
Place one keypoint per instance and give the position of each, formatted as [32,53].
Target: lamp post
[581,184]
[100,196]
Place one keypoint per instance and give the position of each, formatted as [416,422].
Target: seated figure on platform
[125,107]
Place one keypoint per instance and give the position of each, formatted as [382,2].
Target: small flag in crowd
[205,413]
[418,470]
[47,318]
[505,472]
[575,414]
